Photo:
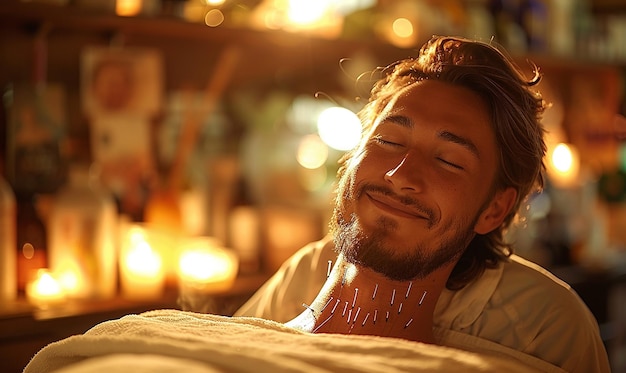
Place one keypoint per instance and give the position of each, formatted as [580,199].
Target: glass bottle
[31,235]
[81,236]
[8,259]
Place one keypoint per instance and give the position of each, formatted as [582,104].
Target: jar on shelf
[82,236]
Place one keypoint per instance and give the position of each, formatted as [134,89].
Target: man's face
[414,193]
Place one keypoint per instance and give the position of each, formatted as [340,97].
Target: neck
[356,300]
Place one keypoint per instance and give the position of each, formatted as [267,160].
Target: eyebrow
[400,120]
[444,135]
[463,141]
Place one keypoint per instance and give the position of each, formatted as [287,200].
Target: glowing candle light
[564,165]
[128,7]
[141,271]
[206,267]
[72,278]
[44,290]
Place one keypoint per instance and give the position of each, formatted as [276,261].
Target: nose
[405,175]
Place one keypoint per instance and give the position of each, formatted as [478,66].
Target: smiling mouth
[394,207]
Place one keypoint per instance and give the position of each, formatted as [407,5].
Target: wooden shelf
[266,52]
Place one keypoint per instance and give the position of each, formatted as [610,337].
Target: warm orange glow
[564,165]
[72,279]
[305,12]
[205,266]
[141,260]
[402,27]
[401,32]
[141,270]
[339,128]
[128,7]
[28,250]
[312,152]
[214,18]
[44,289]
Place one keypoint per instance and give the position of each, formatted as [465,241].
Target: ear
[496,211]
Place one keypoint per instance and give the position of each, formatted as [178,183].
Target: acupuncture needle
[326,305]
[365,320]
[422,298]
[322,324]
[356,316]
[408,323]
[356,292]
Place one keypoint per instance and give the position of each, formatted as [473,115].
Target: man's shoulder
[532,289]
[542,310]
[311,261]
[533,274]
[521,276]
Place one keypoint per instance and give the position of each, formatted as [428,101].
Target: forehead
[440,101]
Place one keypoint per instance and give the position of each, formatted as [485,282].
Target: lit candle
[141,271]
[72,278]
[206,267]
[564,166]
[44,289]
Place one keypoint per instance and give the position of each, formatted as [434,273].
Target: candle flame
[562,158]
[205,265]
[46,284]
[142,260]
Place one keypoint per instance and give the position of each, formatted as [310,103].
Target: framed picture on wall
[121,80]
[121,93]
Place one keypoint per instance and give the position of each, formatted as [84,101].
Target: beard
[371,250]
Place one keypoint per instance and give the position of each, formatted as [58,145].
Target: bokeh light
[214,18]
[312,152]
[339,128]
[306,12]
[402,27]
[562,158]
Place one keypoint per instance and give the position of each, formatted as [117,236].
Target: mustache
[405,200]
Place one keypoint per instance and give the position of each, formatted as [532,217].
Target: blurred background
[173,153]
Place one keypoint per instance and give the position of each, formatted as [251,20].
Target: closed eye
[382,141]
[448,163]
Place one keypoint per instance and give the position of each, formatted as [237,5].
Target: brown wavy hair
[515,110]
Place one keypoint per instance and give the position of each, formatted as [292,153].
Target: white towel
[172,340]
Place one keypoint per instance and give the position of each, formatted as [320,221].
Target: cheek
[454,199]
[462,203]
